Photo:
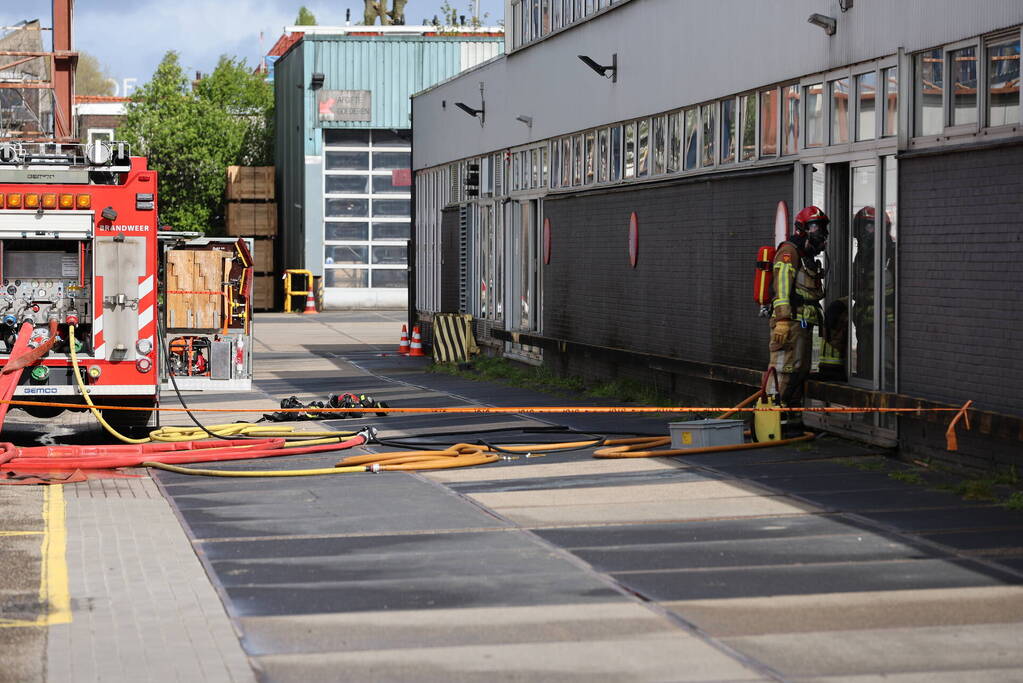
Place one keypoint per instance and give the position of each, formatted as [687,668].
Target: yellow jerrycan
[766,417]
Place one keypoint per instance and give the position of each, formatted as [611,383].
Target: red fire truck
[79,249]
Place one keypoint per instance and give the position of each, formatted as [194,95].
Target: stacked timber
[195,288]
[252,212]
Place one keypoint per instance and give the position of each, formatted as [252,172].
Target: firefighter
[834,335]
[798,291]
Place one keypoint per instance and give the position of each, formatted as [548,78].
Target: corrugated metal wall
[392,68]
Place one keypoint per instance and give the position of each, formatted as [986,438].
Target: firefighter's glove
[782,334]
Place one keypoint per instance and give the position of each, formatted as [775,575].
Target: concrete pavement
[778,564]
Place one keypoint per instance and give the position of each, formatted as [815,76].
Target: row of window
[534,19]
[839,108]
[962,100]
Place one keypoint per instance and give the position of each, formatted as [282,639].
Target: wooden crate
[194,284]
[250,182]
[251,220]
[263,292]
[263,255]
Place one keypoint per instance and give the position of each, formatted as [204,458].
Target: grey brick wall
[690,295]
[961,278]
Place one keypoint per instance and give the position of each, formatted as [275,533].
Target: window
[928,90]
[384,184]
[839,110]
[963,64]
[659,145]
[347,231]
[643,158]
[347,161]
[769,123]
[577,157]
[866,104]
[602,148]
[566,162]
[748,142]
[616,153]
[675,142]
[692,139]
[555,163]
[709,130]
[728,114]
[814,114]
[1003,82]
[630,151]
[790,119]
[346,208]
[591,157]
[346,137]
[890,77]
[346,184]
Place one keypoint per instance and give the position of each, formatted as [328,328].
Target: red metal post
[64,62]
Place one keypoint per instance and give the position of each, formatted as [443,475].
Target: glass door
[864,255]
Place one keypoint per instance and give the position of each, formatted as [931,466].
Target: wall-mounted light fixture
[316,82]
[528,120]
[477,113]
[609,71]
[825,22]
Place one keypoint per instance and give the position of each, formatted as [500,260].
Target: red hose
[109,457]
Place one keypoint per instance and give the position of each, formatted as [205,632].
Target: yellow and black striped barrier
[453,340]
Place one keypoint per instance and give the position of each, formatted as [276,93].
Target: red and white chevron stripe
[97,319]
[147,309]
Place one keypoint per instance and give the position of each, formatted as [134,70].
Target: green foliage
[191,136]
[1014,501]
[449,16]
[907,477]
[305,17]
[91,77]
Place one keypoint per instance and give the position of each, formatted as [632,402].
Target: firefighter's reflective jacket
[797,286]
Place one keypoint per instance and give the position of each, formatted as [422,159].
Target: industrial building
[595,198]
[343,148]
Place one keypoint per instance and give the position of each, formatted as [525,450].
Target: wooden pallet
[195,280]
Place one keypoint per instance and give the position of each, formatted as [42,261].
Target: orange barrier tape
[489,409]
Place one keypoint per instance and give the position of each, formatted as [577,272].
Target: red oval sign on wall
[633,239]
[546,240]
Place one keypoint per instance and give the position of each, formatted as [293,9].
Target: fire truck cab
[78,248]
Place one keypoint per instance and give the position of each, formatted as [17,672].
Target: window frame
[952,134]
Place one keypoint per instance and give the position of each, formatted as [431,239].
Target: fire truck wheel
[129,419]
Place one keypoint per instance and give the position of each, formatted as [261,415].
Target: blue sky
[130,38]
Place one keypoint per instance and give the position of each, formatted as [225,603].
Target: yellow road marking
[20,533]
[53,583]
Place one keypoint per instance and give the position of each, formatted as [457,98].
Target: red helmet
[809,216]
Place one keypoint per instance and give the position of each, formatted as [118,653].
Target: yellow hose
[190,433]
[88,399]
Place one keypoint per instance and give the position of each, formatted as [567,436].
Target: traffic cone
[417,342]
[403,347]
[310,304]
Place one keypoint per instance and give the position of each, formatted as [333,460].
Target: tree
[378,8]
[192,135]
[450,16]
[305,17]
[91,77]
